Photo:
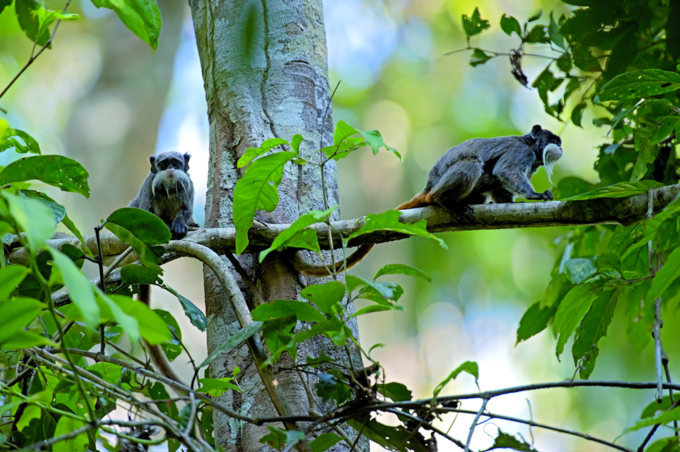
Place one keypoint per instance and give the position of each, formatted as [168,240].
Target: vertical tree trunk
[265,70]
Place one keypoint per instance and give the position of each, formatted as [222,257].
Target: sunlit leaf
[593,328]
[509,25]
[34,217]
[281,308]
[470,367]
[535,320]
[572,309]
[17,313]
[10,278]
[56,170]
[267,145]
[402,269]
[216,387]
[286,238]
[389,221]
[636,84]
[80,288]
[142,17]
[620,190]
[325,296]
[475,24]
[664,277]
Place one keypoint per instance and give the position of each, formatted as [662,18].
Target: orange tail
[419,200]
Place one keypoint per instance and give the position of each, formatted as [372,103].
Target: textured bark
[265,71]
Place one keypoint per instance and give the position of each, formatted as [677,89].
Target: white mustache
[162,178]
[551,154]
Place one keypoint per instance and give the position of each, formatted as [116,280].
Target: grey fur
[173,203]
[499,168]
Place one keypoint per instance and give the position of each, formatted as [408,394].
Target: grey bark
[265,71]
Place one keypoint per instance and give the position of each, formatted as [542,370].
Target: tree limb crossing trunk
[265,71]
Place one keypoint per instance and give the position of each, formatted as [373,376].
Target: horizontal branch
[484,217]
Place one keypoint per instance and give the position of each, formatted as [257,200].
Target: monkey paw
[179,229]
[547,195]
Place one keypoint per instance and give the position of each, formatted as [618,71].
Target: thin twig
[116,262]
[658,322]
[474,424]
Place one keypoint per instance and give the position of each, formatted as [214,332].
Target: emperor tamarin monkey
[472,173]
[168,193]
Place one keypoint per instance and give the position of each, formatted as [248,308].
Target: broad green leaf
[16,314]
[112,373]
[295,142]
[398,392]
[623,53]
[536,16]
[144,225]
[257,190]
[389,221]
[124,313]
[661,419]
[570,187]
[402,269]
[556,37]
[470,367]
[150,256]
[377,308]
[579,269]
[342,132]
[10,278]
[26,339]
[34,217]
[278,438]
[620,190]
[216,387]
[3,5]
[324,442]
[267,145]
[137,274]
[509,24]
[506,441]
[345,148]
[475,24]
[59,171]
[535,320]
[80,288]
[538,34]
[380,292]
[608,263]
[79,443]
[34,20]
[572,309]
[285,238]
[142,17]
[665,128]
[593,328]
[171,348]
[9,135]
[151,326]
[374,139]
[235,340]
[325,296]
[479,57]
[669,444]
[195,315]
[668,273]
[331,387]
[388,437]
[577,114]
[281,308]
[651,409]
[636,84]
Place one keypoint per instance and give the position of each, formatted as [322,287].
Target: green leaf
[668,273]
[149,256]
[9,135]
[56,170]
[380,292]
[78,286]
[636,84]
[331,387]
[295,142]
[377,308]
[137,274]
[510,24]
[620,190]
[669,444]
[535,320]
[17,313]
[555,36]
[579,269]
[536,16]
[398,392]
[538,34]
[267,145]
[506,441]
[474,25]
[646,154]
[389,221]
[112,373]
[281,308]
[147,227]
[470,367]
[216,387]
[10,278]
[113,310]
[593,328]
[577,114]
[342,132]
[195,315]
[236,339]
[479,57]
[142,17]
[402,269]
[257,190]
[388,437]
[66,425]
[3,5]
[172,348]
[151,326]
[572,309]
[374,139]
[661,419]
[651,409]
[623,54]
[665,128]
[324,442]
[286,238]
[570,187]
[34,19]
[325,296]
[34,217]
[278,438]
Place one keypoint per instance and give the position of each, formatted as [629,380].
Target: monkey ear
[187,157]
[535,130]
[152,160]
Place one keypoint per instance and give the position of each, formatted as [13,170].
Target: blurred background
[102,97]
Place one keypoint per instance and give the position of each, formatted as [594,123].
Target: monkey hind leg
[457,183]
[501,195]
[419,200]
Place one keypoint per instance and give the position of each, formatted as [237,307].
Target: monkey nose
[170,172]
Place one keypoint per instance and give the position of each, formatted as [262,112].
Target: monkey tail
[300,265]
[160,362]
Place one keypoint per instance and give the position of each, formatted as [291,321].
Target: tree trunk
[265,72]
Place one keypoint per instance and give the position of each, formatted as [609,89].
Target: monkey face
[170,170]
[550,147]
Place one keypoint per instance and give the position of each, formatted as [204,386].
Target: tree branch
[487,216]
